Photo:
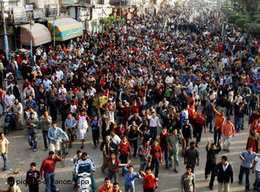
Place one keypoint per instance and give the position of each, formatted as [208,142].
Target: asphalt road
[20,156]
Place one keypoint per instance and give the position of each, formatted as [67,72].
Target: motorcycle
[84,182]
[9,123]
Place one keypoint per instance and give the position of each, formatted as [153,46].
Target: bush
[257,21]
[241,22]
[234,18]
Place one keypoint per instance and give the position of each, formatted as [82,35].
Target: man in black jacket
[224,174]
[212,155]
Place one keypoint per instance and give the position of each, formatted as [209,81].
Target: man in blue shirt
[247,158]
[85,165]
[130,176]
[56,134]
[70,125]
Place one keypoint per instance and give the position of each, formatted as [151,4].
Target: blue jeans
[4,156]
[238,122]
[241,173]
[17,74]
[257,180]
[32,140]
[50,182]
[45,137]
[165,152]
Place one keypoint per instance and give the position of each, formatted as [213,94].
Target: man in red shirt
[150,181]
[156,151]
[48,167]
[163,135]
[124,151]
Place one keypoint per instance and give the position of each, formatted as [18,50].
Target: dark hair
[51,153]
[147,168]
[115,183]
[130,166]
[10,179]
[188,167]
[84,154]
[54,122]
[107,179]
[192,143]
[33,164]
[224,157]
[78,151]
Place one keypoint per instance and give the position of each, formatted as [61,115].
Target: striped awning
[65,28]
[37,32]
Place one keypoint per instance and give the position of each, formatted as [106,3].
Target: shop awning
[38,32]
[65,28]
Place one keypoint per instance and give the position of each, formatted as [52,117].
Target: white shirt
[225,166]
[116,139]
[9,100]
[3,146]
[154,121]
[257,166]
[169,79]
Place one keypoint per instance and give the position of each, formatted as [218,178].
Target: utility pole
[31,43]
[53,25]
[5,32]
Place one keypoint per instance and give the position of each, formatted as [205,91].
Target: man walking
[156,152]
[173,145]
[48,167]
[256,170]
[224,173]
[218,124]
[199,124]
[4,149]
[188,180]
[247,157]
[32,178]
[212,155]
[228,131]
[191,156]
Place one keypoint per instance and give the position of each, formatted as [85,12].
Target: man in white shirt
[115,138]
[46,84]
[154,122]
[9,99]
[256,170]
[59,73]
[4,149]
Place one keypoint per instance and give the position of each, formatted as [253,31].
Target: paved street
[20,156]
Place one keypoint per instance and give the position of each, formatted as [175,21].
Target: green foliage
[257,21]
[242,22]
[234,18]
[114,19]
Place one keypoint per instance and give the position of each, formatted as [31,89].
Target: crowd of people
[141,89]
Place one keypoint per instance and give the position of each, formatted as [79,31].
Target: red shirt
[156,151]
[48,164]
[163,137]
[120,132]
[124,147]
[149,181]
